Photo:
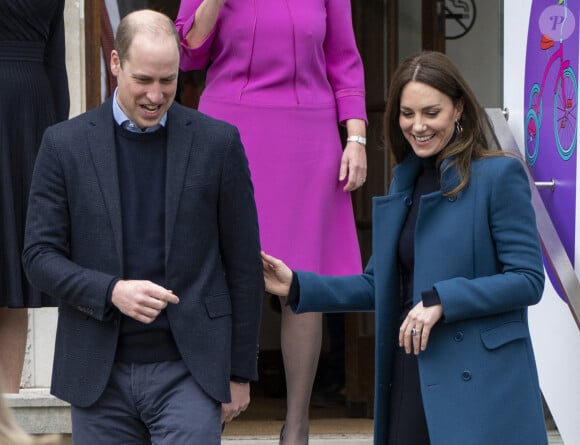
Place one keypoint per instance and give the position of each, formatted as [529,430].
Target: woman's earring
[458,127]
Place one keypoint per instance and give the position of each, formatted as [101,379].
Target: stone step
[38,412]
[553,436]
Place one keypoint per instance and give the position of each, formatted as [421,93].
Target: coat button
[458,336]
[452,198]
[408,201]
[466,375]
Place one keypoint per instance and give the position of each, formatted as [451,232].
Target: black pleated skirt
[26,110]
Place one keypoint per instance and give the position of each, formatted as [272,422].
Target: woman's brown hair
[476,139]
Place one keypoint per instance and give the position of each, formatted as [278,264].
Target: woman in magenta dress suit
[286,73]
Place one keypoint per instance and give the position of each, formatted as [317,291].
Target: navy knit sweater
[141,169]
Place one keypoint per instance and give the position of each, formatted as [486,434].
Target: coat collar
[407,171]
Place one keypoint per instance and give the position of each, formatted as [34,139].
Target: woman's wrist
[356,131]
[358,139]
[355,124]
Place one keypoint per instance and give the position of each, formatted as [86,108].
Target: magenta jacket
[250,59]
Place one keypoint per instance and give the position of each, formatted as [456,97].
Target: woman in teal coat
[456,262]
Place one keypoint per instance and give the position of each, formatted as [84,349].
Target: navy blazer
[480,250]
[73,249]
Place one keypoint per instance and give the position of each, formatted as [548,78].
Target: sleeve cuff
[109,306]
[110,291]
[294,293]
[351,105]
[194,58]
[430,298]
[235,378]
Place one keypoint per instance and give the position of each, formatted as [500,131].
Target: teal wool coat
[480,251]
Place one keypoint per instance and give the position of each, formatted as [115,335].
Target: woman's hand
[415,330]
[353,164]
[277,276]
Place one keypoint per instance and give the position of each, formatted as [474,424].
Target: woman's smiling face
[427,118]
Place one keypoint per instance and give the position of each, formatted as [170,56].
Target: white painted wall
[478,54]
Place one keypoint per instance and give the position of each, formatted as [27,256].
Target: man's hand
[240,401]
[141,299]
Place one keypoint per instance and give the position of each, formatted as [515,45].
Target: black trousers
[407,424]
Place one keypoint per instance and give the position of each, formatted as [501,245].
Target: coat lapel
[389,212]
[101,143]
[180,131]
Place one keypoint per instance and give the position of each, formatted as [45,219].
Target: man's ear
[115,63]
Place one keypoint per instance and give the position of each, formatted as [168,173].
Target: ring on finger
[415,332]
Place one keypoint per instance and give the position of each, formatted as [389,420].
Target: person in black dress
[34,94]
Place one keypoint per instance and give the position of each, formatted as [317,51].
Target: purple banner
[551,106]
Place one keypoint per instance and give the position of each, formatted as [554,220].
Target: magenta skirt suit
[286,73]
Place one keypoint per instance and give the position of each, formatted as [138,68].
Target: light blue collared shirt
[122,119]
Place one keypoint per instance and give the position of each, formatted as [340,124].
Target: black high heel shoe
[283,435]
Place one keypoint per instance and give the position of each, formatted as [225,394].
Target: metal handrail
[552,245]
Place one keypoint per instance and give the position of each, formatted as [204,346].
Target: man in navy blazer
[142,222]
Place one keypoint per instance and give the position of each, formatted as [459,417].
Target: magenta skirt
[305,217]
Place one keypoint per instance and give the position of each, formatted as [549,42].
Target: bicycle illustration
[565,104]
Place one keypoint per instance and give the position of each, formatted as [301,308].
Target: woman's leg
[301,343]
[13,333]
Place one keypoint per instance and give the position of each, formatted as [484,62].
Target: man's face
[147,81]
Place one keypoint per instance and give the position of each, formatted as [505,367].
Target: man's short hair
[146,21]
